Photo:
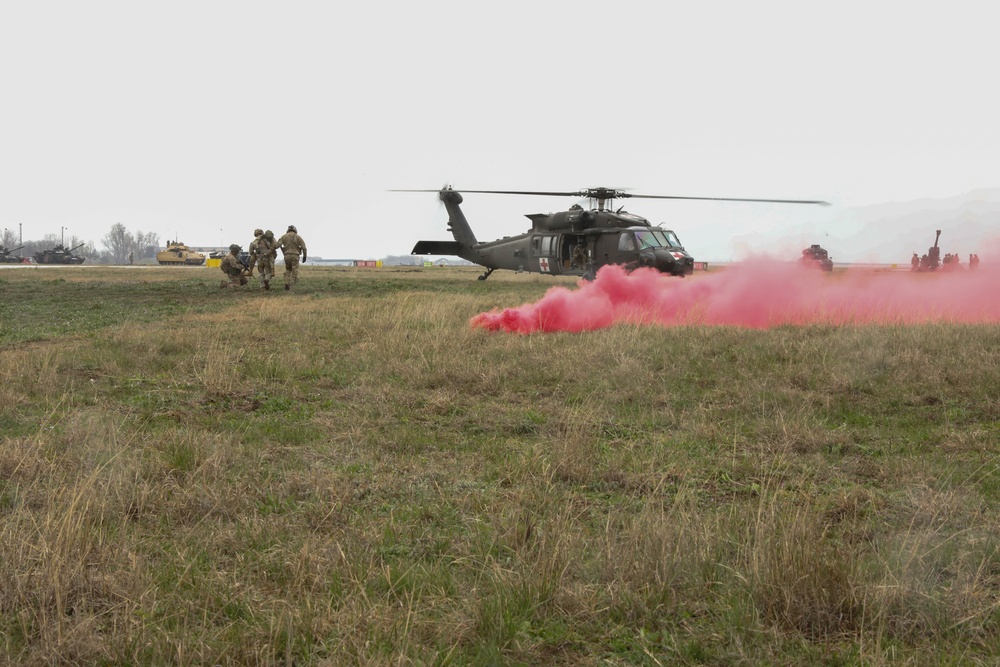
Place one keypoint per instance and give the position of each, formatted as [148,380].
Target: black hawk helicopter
[576,242]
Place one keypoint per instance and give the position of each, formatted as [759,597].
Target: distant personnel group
[950,261]
[262,252]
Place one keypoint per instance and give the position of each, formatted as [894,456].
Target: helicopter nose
[649,258]
[673,263]
[664,261]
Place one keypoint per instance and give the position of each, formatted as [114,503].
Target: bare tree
[119,243]
[9,239]
[146,244]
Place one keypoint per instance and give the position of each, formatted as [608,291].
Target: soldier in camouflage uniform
[233,268]
[264,252]
[291,245]
[257,233]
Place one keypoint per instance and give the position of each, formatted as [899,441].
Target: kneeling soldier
[234,268]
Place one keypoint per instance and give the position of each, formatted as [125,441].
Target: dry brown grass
[350,474]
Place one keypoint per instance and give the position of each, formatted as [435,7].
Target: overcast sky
[206,119]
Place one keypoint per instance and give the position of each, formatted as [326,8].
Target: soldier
[914,262]
[257,233]
[234,268]
[579,255]
[264,253]
[291,245]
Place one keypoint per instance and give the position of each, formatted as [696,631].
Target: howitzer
[932,260]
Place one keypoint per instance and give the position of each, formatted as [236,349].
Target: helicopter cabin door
[544,248]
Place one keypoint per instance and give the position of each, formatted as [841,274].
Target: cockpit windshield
[667,238]
[656,237]
[648,240]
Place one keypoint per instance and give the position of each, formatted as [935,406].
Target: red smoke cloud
[758,294]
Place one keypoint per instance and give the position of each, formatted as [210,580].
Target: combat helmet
[258,231]
[234,248]
[291,228]
[269,235]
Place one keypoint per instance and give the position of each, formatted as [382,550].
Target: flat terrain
[351,474]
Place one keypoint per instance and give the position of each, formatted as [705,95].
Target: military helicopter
[577,242]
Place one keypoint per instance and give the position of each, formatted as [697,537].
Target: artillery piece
[932,260]
[60,255]
[8,257]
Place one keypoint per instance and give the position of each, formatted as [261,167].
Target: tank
[60,255]
[178,254]
[816,256]
[8,256]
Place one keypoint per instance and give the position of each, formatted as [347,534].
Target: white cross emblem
[543,265]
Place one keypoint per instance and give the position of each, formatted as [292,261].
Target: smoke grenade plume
[758,294]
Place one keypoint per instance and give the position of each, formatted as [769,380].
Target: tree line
[116,246]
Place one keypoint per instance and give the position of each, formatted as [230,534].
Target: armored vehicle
[8,256]
[178,254]
[817,257]
[60,255]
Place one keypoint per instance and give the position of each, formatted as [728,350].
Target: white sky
[206,119]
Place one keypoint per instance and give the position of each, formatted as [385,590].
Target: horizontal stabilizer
[436,248]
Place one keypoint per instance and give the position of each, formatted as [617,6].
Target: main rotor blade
[764,201]
[608,194]
[506,192]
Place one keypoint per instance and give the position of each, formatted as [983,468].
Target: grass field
[351,474]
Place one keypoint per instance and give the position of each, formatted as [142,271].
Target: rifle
[246,267]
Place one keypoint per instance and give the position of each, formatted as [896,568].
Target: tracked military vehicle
[8,256]
[60,255]
[178,254]
[816,256]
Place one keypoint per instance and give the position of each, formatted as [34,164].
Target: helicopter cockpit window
[647,240]
[667,238]
[626,241]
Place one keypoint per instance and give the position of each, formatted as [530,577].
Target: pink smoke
[757,294]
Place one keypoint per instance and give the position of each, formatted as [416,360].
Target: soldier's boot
[267,285]
[287,287]
[224,284]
